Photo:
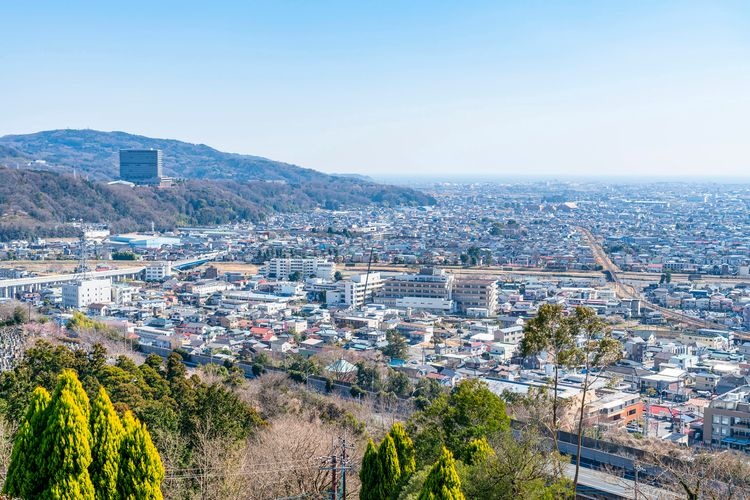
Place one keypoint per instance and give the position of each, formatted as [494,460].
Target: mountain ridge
[64,173]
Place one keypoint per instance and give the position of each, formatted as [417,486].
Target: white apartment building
[81,294]
[282,269]
[122,293]
[361,287]
[158,272]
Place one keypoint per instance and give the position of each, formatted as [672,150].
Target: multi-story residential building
[81,294]
[361,288]
[282,269]
[476,295]
[613,408]
[726,420]
[157,272]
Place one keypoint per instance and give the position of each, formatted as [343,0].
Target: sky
[391,88]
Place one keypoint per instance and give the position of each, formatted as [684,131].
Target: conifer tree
[390,470]
[24,479]
[478,451]
[66,442]
[68,380]
[369,474]
[141,471]
[443,482]
[106,434]
[404,449]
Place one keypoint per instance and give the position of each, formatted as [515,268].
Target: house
[705,381]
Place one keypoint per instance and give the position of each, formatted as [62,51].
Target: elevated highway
[12,287]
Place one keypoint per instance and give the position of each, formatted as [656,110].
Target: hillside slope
[95,153]
[39,203]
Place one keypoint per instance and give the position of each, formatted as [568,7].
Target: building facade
[476,294]
[282,269]
[141,166]
[726,420]
[83,293]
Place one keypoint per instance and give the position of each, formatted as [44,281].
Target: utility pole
[338,462]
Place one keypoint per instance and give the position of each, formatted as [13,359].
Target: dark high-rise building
[141,166]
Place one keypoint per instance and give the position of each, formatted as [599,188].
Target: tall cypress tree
[68,381]
[106,434]
[370,474]
[141,471]
[24,479]
[66,442]
[443,482]
[405,450]
[390,471]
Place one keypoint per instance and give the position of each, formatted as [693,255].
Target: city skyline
[485,89]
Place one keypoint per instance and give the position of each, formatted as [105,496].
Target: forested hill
[95,154]
[52,177]
[38,203]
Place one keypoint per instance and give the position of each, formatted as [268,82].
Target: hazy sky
[397,87]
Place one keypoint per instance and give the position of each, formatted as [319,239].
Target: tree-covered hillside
[95,154]
[37,203]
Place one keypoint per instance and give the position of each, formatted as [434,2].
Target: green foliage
[123,255]
[398,383]
[159,395]
[368,376]
[518,467]
[18,316]
[550,331]
[390,470]
[478,451]
[404,449]
[22,480]
[106,433]
[426,391]
[469,412]
[66,443]
[370,473]
[231,187]
[443,482]
[80,321]
[397,347]
[141,471]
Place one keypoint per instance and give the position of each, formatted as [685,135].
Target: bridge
[12,287]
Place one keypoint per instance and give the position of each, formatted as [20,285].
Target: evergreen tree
[66,443]
[390,471]
[141,471]
[68,381]
[106,434]
[24,479]
[442,483]
[369,474]
[478,451]
[404,449]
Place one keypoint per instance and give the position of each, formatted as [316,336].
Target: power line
[338,462]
